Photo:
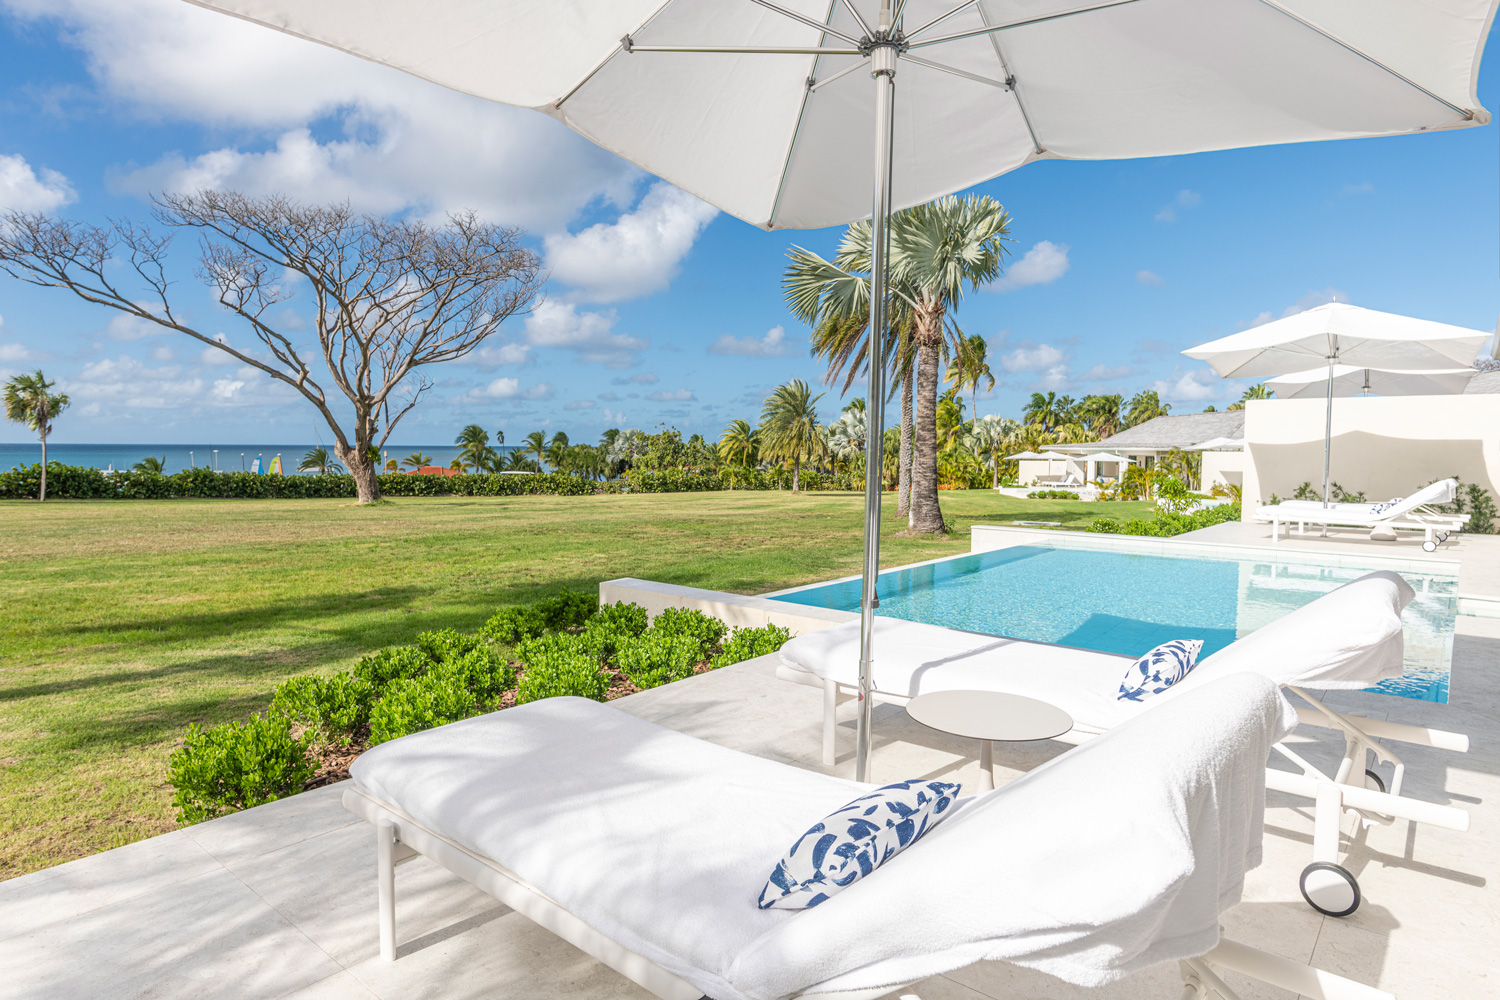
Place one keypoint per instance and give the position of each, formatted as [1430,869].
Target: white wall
[1226,467]
[1386,446]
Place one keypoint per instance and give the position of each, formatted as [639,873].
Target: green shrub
[447,644]
[330,709]
[1482,511]
[392,663]
[748,643]
[560,669]
[1052,495]
[1165,523]
[235,766]
[413,704]
[655,658]
[569,609]
[625,619]
[1305,491]
[690,624]
[512,625]
[485,673]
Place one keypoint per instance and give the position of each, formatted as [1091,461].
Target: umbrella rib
[772,50]
[791,146]
[830,29]
[1036,143]
[864,25]
[817,84]
[1466,113]
[975,32]
[1001,84]
[624,45]
[942,17]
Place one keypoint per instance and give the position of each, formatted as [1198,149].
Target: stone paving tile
[274,825]
[207,937]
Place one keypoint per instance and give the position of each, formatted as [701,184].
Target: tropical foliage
[29,400]
[789,430]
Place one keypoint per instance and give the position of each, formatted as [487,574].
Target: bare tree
[388,296]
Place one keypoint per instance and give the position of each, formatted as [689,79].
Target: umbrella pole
[1328,429]
[883,68]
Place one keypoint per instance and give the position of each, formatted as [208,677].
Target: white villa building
[1144,445]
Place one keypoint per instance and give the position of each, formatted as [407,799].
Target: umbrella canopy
[1054,456]
[765,109]
[1213,444]
[1351,381]
[1106,457]
[1343,334]
[1020,455]
[990,87]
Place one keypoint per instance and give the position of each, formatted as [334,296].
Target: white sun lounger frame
[1346,789]
[1422,516]
[399,838]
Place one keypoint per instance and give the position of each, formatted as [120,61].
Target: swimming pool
[1120,602]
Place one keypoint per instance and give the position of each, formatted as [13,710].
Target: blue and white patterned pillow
[1159,669]
[1381,508]
[853,841]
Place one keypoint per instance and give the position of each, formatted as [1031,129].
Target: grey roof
[1177,431]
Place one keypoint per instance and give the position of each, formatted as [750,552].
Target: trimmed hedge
[567,644]
[688,481]
[1165,523]
[72,482]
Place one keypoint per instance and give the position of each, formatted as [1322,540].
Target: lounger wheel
[1379,781]
[1329,889]
[1429,546]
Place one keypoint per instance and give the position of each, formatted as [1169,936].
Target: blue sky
[660,309]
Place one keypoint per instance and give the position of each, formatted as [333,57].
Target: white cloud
[1031,357]
[639,378]
[510,388]
[609,397]
[1056,378]
[637,254]
[1185,199]
[773,345]
[123,384]
[1043,264]
[671,396]
[493,356]
[560,324]
[1150,279]
[394,142]
[580,404]
[123,326]
[1364,187]
[612,416]
[161,352]
[1191,386]
[1106,373]
[22,190]
[14,352]
[1316,297]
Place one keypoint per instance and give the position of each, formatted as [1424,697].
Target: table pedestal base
[986,765]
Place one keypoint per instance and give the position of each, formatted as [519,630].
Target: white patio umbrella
[768,110]
[1024,455]
[1351,381]
[1339,333]
[1221,443]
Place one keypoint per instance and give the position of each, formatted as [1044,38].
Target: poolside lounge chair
[1415,513]
[646,849]
[1349,638]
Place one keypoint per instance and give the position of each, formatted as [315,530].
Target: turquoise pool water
[1118,602]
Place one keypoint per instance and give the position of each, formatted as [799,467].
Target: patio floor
[279,901]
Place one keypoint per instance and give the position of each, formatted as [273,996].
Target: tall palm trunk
[796,474]
[903,462]
[926,515]
[42,494]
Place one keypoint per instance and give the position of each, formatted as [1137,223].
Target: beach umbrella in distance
[1351,381]
[1220,443]
[785,113]
[1335,334]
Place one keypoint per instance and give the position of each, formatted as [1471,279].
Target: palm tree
[1143,406]
[1258,391]
[317,460]
[993,438]
[1101,413]
[936,249]
[846,436]
[474,449]
[151,464]
[556,453]
[1047,410]
[536,446]
[416,460]
[950,419]
[28,401]
[521,461]
[739,444]
[970,366]
[789,429]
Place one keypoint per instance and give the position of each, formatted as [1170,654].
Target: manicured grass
[126,620]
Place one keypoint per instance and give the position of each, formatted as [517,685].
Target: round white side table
[988,716]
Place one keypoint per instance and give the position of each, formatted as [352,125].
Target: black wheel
[1379,781]
[1442,536]
[1329,889]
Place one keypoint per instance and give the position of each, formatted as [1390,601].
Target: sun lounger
[1414,513]
[647,849]
[1347,639]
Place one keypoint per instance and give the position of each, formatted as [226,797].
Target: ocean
[224,457]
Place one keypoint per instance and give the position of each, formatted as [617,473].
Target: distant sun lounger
[1414,513]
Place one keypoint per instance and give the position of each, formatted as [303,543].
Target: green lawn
[126,620]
